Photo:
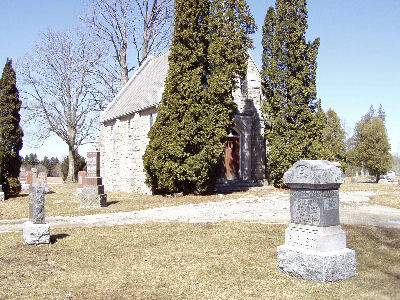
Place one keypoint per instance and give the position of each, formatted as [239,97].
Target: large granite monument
[36,231]
[92,194]
[315,244]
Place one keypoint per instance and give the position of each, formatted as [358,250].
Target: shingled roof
[142,91]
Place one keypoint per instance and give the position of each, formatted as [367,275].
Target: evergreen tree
[10,132]
[208,52]
[370,145]
[334,139]
[294,118]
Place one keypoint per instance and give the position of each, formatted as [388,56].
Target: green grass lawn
[228,260]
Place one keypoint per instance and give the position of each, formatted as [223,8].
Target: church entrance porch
[232,158]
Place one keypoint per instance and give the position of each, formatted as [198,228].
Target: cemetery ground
[187,260]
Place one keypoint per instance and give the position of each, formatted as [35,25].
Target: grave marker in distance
[92,194]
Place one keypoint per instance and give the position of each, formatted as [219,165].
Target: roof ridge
[121,91]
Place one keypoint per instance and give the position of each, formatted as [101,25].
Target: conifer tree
[208,52]
[10,132]
[294,118]
[369,146]
[334,139]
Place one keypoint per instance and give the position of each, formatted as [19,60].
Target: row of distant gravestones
[36,231]
[315,244]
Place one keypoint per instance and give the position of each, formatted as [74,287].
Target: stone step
[229,186]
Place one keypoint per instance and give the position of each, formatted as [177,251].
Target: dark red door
[231,163]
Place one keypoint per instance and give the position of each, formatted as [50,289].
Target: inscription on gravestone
[314,207]
[36,204]
[93,164]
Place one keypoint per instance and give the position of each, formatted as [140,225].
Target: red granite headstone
[29,177]
[81,177]
[92,194]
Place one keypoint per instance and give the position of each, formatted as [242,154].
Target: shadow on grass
[55,237]
[107,204]
[20,195]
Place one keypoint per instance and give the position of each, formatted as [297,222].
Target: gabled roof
[142,91]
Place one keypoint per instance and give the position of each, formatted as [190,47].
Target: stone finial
[314,172]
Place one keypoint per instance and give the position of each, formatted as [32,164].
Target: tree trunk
[124,67]
[71,166]
[377,177]
[145,31]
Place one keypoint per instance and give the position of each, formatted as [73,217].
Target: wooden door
[231,162]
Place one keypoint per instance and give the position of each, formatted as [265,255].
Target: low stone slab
[2,197]
[34,234]
[92,198]
[319,266]
[25,186]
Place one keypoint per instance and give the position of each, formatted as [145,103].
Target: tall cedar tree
[10,132]
[294,118]
[370,145]
[208,53]
[334,139]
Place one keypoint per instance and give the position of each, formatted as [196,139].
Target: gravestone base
[319,266]
[34,234]
[25,186]
[2,196]
[315,237]
[92,196]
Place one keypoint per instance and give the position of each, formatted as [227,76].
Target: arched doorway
[231,166]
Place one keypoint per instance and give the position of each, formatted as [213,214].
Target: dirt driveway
[272,208]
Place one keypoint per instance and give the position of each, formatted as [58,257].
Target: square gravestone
[36,231]
[315,244]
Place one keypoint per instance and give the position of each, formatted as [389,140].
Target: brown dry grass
[386,194]
[186,261]
[391,200]
[65,202]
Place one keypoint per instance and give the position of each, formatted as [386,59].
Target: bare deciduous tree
[61,90]
[145,25]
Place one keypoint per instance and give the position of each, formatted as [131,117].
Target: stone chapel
[126,121]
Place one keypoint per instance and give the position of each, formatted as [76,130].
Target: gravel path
[270,208]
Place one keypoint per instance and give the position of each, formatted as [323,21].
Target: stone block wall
[122,144]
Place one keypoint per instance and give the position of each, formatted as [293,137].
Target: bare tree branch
[145,26]
[61,87]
